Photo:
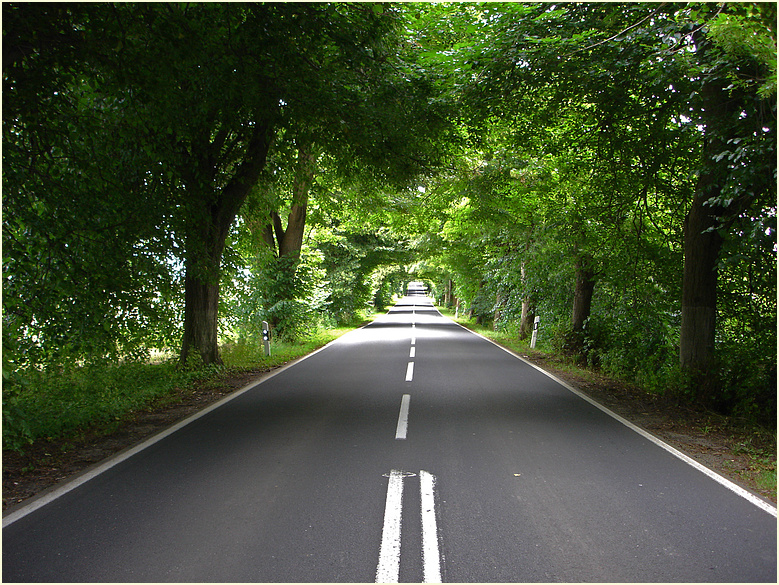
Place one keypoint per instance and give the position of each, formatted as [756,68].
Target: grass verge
[63,403]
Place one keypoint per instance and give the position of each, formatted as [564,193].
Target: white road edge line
[402,428]
[388,569]
[725,482]
[430,556]
[410,372]
[58,491]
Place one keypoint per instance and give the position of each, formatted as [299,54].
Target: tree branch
[622,32]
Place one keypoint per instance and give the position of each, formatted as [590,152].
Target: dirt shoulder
[714,442]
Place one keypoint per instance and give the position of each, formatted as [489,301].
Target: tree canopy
[176,173]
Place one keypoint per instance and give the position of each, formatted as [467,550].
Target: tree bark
[287,242]
[201,308]
[699,288]
[212,217]
[301,187]
[448,293]
[702,244]
[582,304]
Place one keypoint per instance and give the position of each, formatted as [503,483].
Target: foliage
[146,126]
[285,292]
[16,428]
[75,197]
[349,260]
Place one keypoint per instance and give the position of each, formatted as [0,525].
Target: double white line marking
[388,570]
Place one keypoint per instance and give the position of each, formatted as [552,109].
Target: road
[409,450]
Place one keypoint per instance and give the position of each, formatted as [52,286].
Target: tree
[731,114]
[373,132]
[201,91]
[636,102]
[286,242]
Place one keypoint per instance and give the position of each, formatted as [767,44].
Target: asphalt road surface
[410,450]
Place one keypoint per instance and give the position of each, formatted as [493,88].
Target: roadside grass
[762,459]
[250,354]
[756,443]
[55,403]
[63,403]
[766,479]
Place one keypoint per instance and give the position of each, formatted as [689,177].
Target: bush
[748,391]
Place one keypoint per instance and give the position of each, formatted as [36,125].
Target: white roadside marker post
[266,337]
[534,337]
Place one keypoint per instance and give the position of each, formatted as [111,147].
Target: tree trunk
[201,307]
[699,289]
[582,304]
[528,312]
[498,311]
[289,241]
[292,242]
[209,226]
[582,294]
[448,293]
[702,242]
[526,320]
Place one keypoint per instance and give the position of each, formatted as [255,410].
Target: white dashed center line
[402,428]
